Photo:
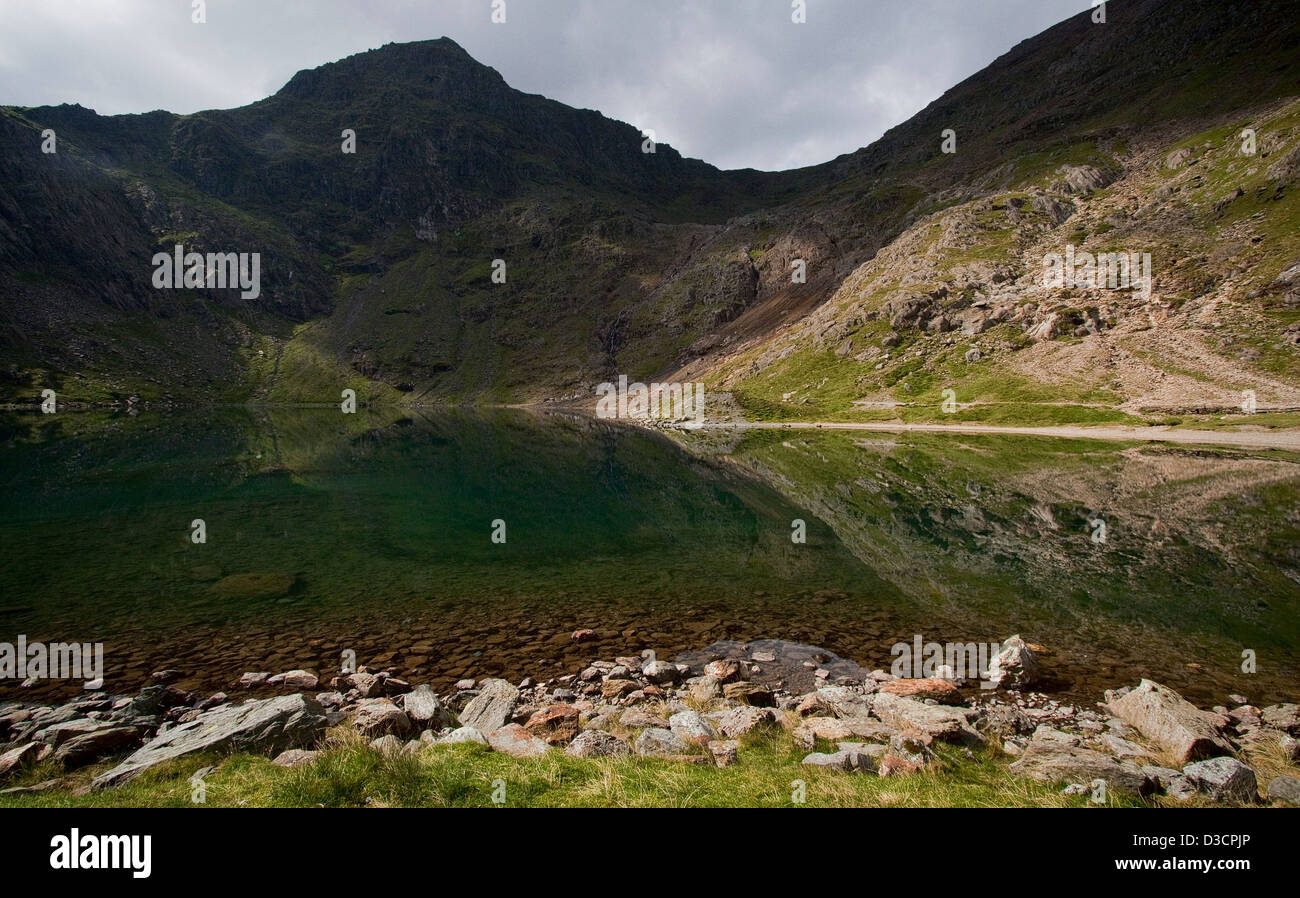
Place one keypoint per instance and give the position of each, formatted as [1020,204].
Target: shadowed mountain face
[376,266]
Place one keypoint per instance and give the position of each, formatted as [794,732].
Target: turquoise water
[327,532]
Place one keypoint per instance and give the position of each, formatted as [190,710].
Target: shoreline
[1287,439]
[723,714]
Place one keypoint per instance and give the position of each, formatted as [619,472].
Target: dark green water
[328,532]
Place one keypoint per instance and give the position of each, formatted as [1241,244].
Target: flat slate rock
[267,727]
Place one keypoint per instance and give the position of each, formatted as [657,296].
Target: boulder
[725,752]
[1170,721]
[936,721]
[517,742]
[746,693]
[640,720]
[1056,758]
[616,688]
[706,689]
[425,709]
[933,688]
[300,680]
[96,744]
[654,742]
[1015,666]
[263,727]
[597,744]
[843,701]
[16,758]
[692,726]
[491,709]
[463,734]
[1223,779]
[1285,717]
[1285,789]
[295,757]
[897,765]
[848,761]
[726,670]
[387,745]
[376,717]
[660,672]
[554,725]
[737,722]
[834,729]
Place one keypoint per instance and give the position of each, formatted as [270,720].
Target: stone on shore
[295,757]
[1053,756]
[739,721]
[661,672]
[376,717]
[554,725]
[514,740]
[1285,789]
[941,691]
[491,709]
[462,734]
[425,709]
[597,744]
[940,722]
[89,747]
[691,726]
[848,761]
[1223,779]
[654,742]
[262,727]
[1015,666]
[1170,721]
[300,680]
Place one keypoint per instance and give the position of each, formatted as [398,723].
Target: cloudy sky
[733,82]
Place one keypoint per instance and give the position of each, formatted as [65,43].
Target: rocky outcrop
[263,727]
[1053,756]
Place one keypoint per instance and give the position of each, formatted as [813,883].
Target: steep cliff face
[377,266]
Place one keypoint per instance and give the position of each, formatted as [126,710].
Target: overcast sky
[733,82]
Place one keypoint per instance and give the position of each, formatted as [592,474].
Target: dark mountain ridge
[376,265]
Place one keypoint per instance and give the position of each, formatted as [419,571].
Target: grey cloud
[733,82]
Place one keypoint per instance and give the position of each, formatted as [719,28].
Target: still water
[374,533]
